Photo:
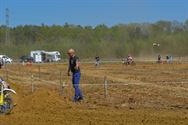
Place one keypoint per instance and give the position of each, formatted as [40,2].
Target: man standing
[74,67]
[97,61]
[159,59]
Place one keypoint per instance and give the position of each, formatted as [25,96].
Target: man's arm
[77,64]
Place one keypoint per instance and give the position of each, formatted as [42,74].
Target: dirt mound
[46,107]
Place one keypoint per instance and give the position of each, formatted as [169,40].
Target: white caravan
[40,56]
[53,56]
[37,56]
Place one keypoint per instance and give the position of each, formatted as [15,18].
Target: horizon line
[90,25]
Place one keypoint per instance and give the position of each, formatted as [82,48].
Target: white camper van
[53,56]
[40,56]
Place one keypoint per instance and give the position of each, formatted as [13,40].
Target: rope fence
[36,77]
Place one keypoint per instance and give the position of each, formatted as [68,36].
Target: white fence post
[105,87]
[62,85]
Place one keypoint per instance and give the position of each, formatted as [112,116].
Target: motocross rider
[129,59]
[5,84]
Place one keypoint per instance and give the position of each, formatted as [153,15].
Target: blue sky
[92,12]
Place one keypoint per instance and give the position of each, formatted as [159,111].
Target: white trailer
[40,56]
[37,56]
[53,56]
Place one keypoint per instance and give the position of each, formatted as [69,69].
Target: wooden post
[60,78]
[39,72]
[62,88]
[105,87]
[32,84]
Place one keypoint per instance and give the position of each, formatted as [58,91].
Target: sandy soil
[145,94]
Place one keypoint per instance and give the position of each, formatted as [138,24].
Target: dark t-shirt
[159,57]
[97,58]
[72,64]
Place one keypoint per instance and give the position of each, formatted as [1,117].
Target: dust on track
[155,95]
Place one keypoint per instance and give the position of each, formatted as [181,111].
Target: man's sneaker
[78,99]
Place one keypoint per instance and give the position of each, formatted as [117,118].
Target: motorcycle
[130,62]
[6,101]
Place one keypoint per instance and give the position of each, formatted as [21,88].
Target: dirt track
[155,95]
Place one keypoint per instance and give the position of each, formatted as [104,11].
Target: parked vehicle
[26,59]
[40,56]
[6,59]
[53,56]
[6,101]
[37,56]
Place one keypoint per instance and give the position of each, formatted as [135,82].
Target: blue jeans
[76,82]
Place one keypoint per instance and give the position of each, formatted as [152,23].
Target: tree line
[108,42]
